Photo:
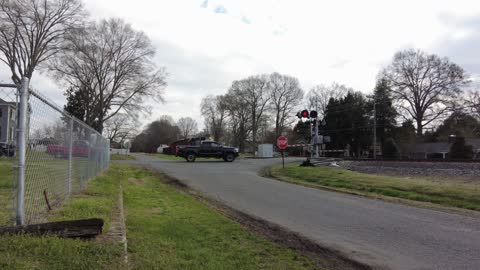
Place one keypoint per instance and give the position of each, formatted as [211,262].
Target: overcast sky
[206,44]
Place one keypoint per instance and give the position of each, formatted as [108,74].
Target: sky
[206,44]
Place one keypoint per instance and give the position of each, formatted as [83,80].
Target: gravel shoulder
[462,171]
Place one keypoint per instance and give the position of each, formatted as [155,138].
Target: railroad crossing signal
[303,114]
[306,114]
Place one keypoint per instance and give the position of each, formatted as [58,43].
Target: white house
[8,122]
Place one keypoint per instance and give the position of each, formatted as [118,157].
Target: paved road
[371,231]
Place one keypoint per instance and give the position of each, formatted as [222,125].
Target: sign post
[282,144]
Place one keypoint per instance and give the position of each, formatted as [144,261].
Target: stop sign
[282,142]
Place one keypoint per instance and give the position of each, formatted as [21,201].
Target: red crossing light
[305,114]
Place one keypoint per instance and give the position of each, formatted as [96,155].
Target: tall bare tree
[112,62]
[319,96]
[213,109]
[188,127]
[472,102]
[424,85]
[121,127]
[254,92]
[239,118]
[285,96]
[33,31]
[159,132]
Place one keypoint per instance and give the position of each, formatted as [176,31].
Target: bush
[390,149]
[460,150]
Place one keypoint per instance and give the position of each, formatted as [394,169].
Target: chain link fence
[61,155]
[8,160]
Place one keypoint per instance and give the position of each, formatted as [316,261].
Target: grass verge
[172,157]
[5,190]
[445,193]
[121,157]
[167,229]
[165,156]
[50,252]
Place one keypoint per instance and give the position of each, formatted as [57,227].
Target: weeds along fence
[46,155]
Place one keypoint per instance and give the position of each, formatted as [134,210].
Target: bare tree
[188,127]
[158,132]
[285,96]
[213,109]
[121,127]
[424,85]
[254,92]
[32,31]
[113,63]
[319,96]
[239,119]
[472,102]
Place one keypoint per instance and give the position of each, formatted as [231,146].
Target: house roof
[440,147]
[3,102]
[474,142]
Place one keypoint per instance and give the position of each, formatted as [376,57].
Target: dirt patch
[156,211]
[136,181]
[324,257]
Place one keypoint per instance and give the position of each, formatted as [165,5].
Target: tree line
[164,131]
[243,116]
[419,97]
[106,66]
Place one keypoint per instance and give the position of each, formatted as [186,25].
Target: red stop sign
[282,142]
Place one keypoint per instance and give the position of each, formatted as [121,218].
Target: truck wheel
[58,154]
[229,157]
[190,157]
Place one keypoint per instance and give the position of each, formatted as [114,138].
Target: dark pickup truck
[207,149]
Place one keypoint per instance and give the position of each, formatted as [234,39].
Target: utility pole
[315,138]
[374,128]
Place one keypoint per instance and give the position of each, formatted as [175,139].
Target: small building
[265,151]
[161,148]
[8,122]
[439,150]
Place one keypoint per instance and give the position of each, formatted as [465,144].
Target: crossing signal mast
[315,123]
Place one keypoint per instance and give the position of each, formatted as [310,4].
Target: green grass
[170,230]
[121,157]
[96,201]
[43,172]
[165,156]
[26,252]
[172,157]
[50,252]
[445,192]
[5,190]
[166,229]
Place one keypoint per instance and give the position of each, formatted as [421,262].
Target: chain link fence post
[70,158]
[22,150]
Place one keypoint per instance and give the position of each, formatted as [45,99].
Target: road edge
[321,255]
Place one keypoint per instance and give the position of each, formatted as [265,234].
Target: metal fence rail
[56,158]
